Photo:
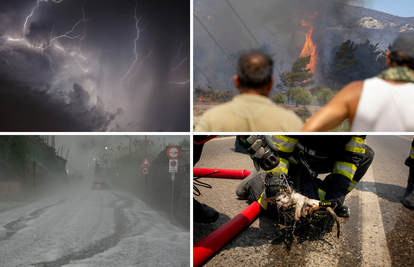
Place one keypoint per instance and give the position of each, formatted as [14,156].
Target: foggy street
[377,233]
[85,227]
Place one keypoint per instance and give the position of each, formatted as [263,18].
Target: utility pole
[146,178]
[130,157]
[145,146]
[34,178]
[52,143]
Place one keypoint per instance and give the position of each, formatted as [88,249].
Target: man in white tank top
[380,104]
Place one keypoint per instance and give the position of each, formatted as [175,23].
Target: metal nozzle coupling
[269,160]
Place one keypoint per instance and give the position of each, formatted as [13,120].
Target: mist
[89,65]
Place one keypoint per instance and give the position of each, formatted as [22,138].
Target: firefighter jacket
[345,152]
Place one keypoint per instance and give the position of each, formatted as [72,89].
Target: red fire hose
[209,245]
[220,173]
[202,141]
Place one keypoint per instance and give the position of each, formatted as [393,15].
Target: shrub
[279,98]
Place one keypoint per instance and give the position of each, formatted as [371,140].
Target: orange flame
[202,98]
[310,48]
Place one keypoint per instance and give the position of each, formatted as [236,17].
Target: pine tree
[299,76]
[343,65]
[369,60]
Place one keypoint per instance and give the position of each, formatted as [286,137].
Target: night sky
[95,65]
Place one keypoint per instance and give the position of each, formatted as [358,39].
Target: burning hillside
[286,30]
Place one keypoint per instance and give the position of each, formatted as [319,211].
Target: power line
[254,38]
[208,78]
[214,39]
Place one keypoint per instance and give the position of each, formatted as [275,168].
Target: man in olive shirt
[252,110]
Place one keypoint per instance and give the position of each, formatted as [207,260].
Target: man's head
[402,51]
[254,73]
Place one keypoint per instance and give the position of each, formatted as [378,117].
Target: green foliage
[299,76]
[279,98]
[299,96]
[303,113]
[369,63]
[382,59]
[315,90]
[305,97]
[343,65]
[324,95]
[185,143]
[15,156]
[343,127]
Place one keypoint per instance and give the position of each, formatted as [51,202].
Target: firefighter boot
[203,213]
[343,212]
[408,200]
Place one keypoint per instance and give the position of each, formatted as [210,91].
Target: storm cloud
[92,65]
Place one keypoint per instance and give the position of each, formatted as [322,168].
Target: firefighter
[302,158]
[408,200]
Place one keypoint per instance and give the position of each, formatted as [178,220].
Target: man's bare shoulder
[353,87]
[349,95]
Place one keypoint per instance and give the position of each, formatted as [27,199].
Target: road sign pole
[172,194]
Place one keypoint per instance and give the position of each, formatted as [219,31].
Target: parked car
[100,186]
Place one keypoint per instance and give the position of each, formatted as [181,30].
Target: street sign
[145,170]
[145,163]
[173,152]
[173,165]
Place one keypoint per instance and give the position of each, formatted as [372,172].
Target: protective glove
[262,151]
[332,203]
[318,215]
[275,184]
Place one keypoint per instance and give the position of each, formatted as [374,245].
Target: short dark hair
[254,69]
[398,58]
[402,50]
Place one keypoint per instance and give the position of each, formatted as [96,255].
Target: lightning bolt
[84,31]
[178,82]
[135,42]
[65,35]
[179,49]
[31,14]
[139,67]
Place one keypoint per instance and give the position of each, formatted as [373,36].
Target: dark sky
[73,67]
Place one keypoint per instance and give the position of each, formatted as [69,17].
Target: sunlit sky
[401,8]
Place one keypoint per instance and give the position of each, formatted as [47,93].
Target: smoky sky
[277,23]
[95,65]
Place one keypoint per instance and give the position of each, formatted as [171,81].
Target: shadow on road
[389,192]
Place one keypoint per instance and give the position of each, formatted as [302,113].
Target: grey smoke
[274,22]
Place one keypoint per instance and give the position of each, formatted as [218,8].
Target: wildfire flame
[202,98]
[310,48]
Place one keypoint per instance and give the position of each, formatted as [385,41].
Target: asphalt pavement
[379,231]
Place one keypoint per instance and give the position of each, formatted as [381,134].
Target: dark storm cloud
[49,111]
[95,63]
